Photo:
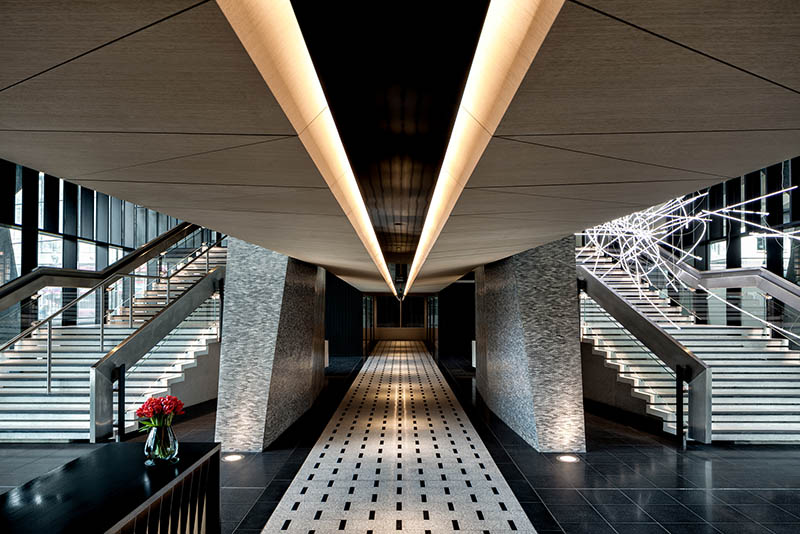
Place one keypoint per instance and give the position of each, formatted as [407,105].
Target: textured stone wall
[528,348]
[272,355]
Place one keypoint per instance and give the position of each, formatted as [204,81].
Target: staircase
[29,413]
[755,377]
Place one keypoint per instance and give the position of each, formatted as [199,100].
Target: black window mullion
[733,195]
[87,213]
[8,185]
[30,220]
[51,201]
[101,220]
[774,246]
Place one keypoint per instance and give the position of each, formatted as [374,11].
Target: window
[10,249]
[86,307]
[18,197]
[87,256]
[754,253]
[114,254]
[41,200]
[717,252]
[50,251]
[49,302]
[60,206]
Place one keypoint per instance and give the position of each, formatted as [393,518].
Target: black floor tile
[587,528]
[623,513]
[737,496]
[673,513]
[638,528]
[575,513]
[540,516]
[605,496]
[510,471]
[258,515]
[740,527]
[766,513]
[689,528]
[783,528]
[523,491]
[561,496]
[693,496]
[240,495]
[234,512]
[722,513]
[649,496]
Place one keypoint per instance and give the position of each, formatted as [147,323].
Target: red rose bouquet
[156,416]
[159,411]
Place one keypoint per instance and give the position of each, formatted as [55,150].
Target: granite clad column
[528,365]
[272,354]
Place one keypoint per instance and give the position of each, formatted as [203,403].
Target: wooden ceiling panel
[188,74]
[55,31]
[595,74]
[742,33]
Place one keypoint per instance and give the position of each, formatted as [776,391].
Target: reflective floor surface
[628,482]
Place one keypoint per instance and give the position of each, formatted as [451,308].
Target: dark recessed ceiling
[393,74]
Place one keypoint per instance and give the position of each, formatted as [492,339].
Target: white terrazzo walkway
[399,455]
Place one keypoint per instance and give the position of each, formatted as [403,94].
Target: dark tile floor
[628,481]
[633,482]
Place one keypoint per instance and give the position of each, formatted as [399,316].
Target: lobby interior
[485,266]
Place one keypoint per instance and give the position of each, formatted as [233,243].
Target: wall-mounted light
[232,457]
[510,38]
[271,35]
[568,458]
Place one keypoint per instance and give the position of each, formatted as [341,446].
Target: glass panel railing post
[49,355]
[208,253]
[130,307]
[168,289]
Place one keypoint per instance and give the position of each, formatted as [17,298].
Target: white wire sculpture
[635,243]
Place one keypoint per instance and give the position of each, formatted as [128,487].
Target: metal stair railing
[29,284]
[99,290]
[734,277]
[687,367]
[112,367]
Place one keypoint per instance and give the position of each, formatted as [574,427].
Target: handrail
[30,283]
[112,366]
[758,277]
[137,345]
[687,366]
[106,282]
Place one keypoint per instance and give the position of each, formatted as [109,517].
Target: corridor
[399,455]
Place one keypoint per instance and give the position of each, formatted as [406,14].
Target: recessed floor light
[568,459]
[232,457]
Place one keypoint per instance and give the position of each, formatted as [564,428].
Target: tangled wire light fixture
[635,242]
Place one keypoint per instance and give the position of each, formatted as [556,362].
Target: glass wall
[67,225]
[10,253]
[730,243]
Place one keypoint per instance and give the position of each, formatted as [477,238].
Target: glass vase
[161,445]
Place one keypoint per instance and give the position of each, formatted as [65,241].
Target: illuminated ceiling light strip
[271,35]
[510,38]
